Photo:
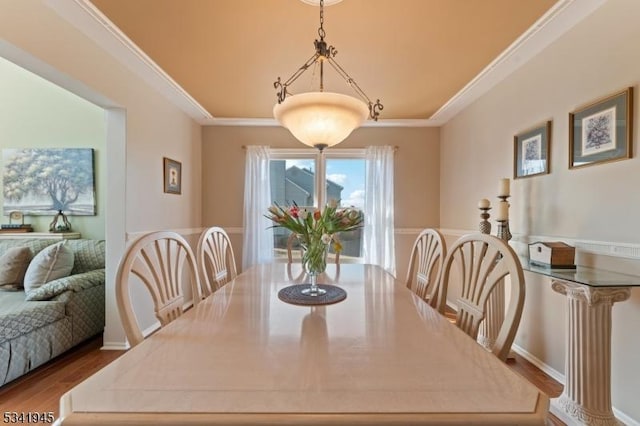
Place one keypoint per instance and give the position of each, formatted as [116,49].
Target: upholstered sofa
[41,323]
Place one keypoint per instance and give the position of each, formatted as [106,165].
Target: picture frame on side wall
[531,150]
[172,176]
[601,131]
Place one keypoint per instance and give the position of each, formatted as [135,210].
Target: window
[309,179]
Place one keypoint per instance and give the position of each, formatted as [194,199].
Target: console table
[39,235]
[590,293]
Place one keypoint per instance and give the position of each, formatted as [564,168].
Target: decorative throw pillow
[53,262]
[13,265]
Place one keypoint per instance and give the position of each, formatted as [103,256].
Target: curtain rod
[395,148]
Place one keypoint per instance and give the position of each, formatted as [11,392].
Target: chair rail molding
[398,231]
[182,231]
[520,243]
[607,248]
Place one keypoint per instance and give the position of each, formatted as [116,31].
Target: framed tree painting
[601,131]
[172,176]
[44,181]
[531,151]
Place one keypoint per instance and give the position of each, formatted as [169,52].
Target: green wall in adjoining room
[35,113]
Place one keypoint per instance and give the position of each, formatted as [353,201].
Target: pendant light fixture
[322,119]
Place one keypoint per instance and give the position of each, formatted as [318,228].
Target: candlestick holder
[489,328]
[485,225]
[503,225]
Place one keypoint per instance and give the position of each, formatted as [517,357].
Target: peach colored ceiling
[412,54]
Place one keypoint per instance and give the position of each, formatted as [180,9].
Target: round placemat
[293,294]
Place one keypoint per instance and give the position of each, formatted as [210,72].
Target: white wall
[153,128]
[34,113]
[596,58]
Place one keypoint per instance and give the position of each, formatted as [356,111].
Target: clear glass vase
[314,261]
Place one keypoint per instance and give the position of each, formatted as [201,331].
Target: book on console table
[15,226]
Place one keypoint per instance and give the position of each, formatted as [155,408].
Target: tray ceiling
[414,55]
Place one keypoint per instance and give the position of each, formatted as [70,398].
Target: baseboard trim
[114,346]
[625,419]
[555,374]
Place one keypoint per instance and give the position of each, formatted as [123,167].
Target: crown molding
[83,15]
[25,60]
[244,122]
[563,16]
[406,122]
[271,122]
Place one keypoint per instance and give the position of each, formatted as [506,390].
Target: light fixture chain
[321,32]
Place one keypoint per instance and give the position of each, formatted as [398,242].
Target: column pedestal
[586,399]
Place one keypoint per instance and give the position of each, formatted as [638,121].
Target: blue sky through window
[348,173]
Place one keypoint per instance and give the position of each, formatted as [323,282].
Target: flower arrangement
[316,229]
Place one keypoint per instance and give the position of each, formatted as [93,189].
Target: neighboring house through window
[309,179]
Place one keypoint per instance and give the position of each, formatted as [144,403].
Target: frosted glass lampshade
[321,119]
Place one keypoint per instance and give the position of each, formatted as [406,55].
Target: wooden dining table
[242,356]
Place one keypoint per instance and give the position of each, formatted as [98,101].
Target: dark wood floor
[540,379]
[41,389]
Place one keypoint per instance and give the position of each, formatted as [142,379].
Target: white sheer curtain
[257,244]
[378,242]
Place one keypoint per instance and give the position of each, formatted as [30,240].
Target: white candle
[504,187]
[484,204]
[503,211]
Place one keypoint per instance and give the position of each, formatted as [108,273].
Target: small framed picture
[172,176]
[531,151]
[601,131]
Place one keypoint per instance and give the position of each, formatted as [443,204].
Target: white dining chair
[158,259]
[484,261]
[216,260]
[425,265]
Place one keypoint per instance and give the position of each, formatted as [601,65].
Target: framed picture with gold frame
[531,151]
[602,131]
[172,176]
